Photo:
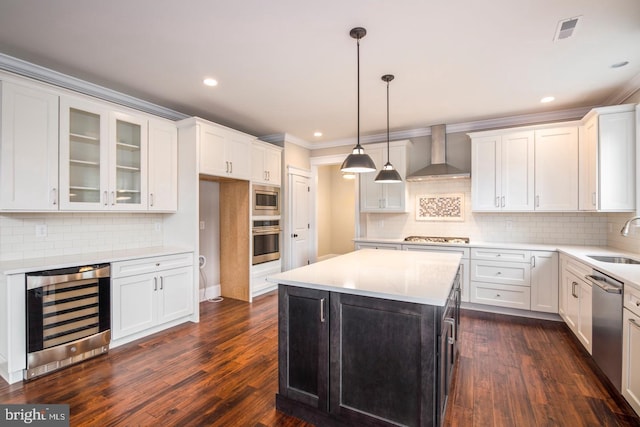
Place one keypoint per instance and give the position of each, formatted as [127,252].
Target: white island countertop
[419,277]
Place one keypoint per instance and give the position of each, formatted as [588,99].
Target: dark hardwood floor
[223,372]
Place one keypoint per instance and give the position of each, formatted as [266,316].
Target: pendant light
[388,174]
[358,161]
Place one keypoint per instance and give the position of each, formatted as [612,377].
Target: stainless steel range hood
[438,169]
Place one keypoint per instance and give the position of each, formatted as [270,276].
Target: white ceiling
[290,65]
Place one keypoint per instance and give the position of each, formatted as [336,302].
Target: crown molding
[619,97]
[281,138]
[46,75]
[519,120]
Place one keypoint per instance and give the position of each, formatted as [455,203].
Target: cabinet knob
[497,295]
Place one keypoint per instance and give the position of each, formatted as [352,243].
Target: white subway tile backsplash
[73,233]
[574,228]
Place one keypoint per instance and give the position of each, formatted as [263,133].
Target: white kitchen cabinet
[163,166]
[631,347]
[607,159]
[556,169]
[103,157]
[148,294]
[544,281]
[501,277]
[389,246]
[28,148]
[575,300]
[224,152]
[502,176]
[525,169]
[377,197]
[266,163]
[464,263]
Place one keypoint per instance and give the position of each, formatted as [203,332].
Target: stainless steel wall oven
[68,317]
[266,241]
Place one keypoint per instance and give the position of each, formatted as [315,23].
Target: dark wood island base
[348,359]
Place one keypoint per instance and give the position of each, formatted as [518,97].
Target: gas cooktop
[433,239]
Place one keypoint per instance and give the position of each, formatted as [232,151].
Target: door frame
[316,162]
[288,220]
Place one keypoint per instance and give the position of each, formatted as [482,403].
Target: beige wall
[335,207]
[296,156]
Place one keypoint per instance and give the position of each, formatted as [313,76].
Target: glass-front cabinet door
[103,158]
[83,155]
[128,174]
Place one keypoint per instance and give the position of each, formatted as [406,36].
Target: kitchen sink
[614,259]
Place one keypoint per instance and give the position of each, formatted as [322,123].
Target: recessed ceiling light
[547,99]
[317,134]
[619,64]
[210,82]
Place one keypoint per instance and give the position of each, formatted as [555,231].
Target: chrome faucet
[625,229]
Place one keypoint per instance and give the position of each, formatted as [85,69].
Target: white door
[299,237]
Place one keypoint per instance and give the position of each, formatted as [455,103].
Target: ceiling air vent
[566,28]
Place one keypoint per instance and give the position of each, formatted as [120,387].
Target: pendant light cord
[388,156]
[358,68]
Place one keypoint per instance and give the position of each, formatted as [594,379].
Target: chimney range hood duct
[438,169]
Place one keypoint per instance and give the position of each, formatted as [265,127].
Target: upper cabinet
[224,152]
[525,169]
[502,172]
[103,157]
[375,197]
[69,152]
[607,159]
[266,163]
[163,166]
[28,148]
[556,169]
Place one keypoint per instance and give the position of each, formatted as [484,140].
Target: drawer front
[506,273]
[501,295]
[632,299]
[150,265]
[578,268]
[431,248]
[391,246]
[501,255]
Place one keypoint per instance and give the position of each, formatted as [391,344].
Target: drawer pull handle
[498,273]
[634,323]
[322,318]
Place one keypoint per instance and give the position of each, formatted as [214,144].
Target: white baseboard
[209,292]
[323,257]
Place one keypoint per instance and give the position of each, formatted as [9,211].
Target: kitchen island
[368,338]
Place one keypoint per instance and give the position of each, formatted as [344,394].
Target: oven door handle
[263,231]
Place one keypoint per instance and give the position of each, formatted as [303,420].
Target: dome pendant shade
[358,161]
[388,175]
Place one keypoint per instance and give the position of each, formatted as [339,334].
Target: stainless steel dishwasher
[607,302]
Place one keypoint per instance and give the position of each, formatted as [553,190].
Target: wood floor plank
[223,372]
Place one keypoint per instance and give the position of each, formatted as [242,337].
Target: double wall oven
[266,230]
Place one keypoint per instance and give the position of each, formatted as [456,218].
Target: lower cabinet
[159,292]
[575,299]
[630,356]
[391,246]
[346,359]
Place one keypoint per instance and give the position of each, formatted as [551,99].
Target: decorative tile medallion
[440,207]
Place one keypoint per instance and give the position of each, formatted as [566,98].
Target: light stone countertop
[629,274]
[419,277]
[64,261]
